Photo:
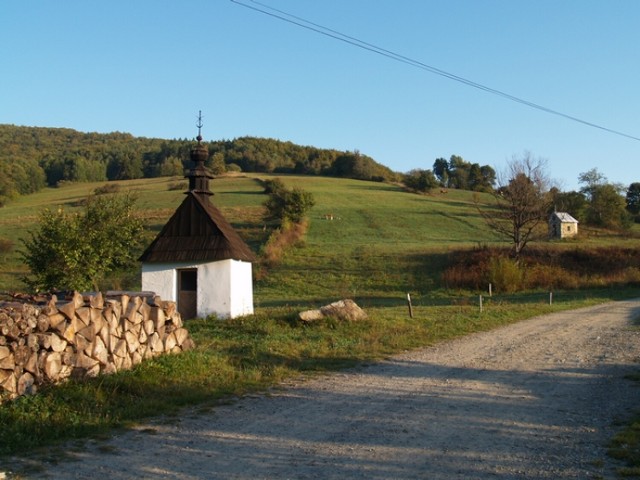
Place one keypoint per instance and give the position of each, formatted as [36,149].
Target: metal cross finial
[199,125]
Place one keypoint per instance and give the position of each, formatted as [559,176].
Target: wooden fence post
[410,306]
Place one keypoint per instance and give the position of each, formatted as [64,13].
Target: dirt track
[535,400]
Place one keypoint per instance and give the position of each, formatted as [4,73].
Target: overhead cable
[322,30]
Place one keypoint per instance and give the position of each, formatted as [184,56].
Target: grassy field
[381,244]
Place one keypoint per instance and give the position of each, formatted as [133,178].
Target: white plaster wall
[160,278]
[214,289]
[241,288]
[225,288]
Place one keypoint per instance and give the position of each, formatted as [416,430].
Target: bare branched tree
[521,203]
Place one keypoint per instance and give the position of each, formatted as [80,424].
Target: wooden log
[56,319]
[53,366]
[145,311]
[97,320]
[97,301]
[68,310]
[21,354]
[132,341]
[88,333]
[170,342]
[105,336]
[31,365]
[4,374]
[132,307]
[158,317]
[99,351]
[69,333]
[84,314]
[181,335]
[81,342]
[113,343]
[25,385]
[10,383]
[4,352]
[69,356]
[33,341]
[142,336]
[127,363]
[50,308]
[116,307]
[77,299]
[148,327]
[85,362]
[169,309]
[57,344]
[3,340]
[78,324]
[136,358]
[8,362]
[124,301]
[155,343]
[43,323]
[120,348]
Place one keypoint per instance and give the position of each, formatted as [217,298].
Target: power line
[328,32]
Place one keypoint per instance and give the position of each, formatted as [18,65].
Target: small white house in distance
[562,225]
[198,260]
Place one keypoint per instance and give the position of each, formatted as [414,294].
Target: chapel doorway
[187,293]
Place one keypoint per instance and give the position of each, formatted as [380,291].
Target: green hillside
[375,225]
[370,241]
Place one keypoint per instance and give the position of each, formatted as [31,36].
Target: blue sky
[148,66]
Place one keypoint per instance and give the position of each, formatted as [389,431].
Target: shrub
[107,188]
[178,186]
[505,274]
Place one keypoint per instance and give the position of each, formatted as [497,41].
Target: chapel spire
[198,175]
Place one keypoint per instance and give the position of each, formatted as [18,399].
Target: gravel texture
[537,400]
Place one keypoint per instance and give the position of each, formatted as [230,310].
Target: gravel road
[535,400]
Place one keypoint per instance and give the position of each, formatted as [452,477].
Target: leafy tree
[441,171]
[459,172]
[420,180]
[217,166]
[591,179]
[574,203]
[287,205]
[77,250]
[633,198]
[607,208]
[521,204]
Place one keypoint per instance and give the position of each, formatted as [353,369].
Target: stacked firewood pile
[85,336]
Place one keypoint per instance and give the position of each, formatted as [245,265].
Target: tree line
[34,157]
[453,173]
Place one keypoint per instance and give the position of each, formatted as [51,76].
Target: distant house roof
[564,217]
[197,232]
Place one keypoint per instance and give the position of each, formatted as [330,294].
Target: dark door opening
[187,293]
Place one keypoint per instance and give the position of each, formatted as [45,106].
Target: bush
[505,274]
[542,268]
[178,186]
[107,188]
[289,205]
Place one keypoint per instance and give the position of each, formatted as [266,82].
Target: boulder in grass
[346,310]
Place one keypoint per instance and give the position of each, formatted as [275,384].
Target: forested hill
[34,157]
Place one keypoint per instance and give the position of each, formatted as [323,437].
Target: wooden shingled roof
[197,232]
